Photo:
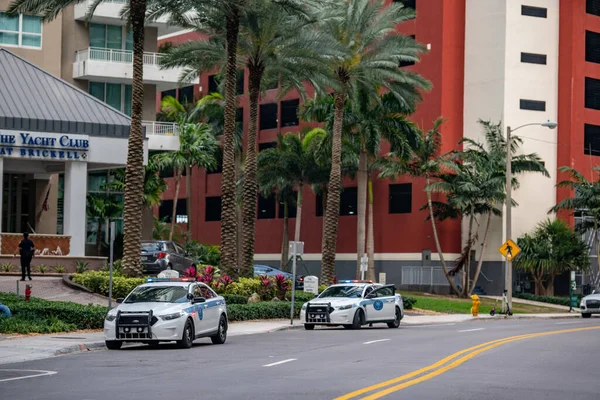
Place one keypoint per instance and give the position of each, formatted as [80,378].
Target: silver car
[158,255]
[590,304]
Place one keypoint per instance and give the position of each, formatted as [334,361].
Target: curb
[80,348]
[286,328]
[68,282]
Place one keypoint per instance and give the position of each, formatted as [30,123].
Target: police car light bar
[355,281]
[150,280]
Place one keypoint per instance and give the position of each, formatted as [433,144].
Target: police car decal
[378,305]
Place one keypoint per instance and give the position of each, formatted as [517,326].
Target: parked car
[590,305]
[265,270]
[158,255]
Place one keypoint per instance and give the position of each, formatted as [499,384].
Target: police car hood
[335,301]
[158,308]
[595,296]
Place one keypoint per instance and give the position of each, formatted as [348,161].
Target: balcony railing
[116,56]
[161,128]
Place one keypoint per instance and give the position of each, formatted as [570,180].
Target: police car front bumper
[158,330]
[335,317]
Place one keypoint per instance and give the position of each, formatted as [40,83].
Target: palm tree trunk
[298,213]
[362,208]
[238,208]
[437,240]
[468,247]
[483,248]
[188,199]
[323,224]
[250,184]
[335,186]
[178,173]
[228,200]
[285,240]
[134,174]
[99,237]
[370,234]
[550,286]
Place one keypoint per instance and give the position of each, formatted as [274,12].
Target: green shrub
[23,325]
[244,287]
[7,268]
[322,288]
[408,302]
[235,299]
[42,268]
[300,296]
[563,301]
[59,269]
[264,310]
[99,282]
[117,268]
[81,267]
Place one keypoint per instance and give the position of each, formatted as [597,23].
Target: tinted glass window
[592,47]
[349,201]
[533,58]
[289,112]
[213,208]
[266,207]
[592,7]
[530,11]
[268,116]
[532,105]
[592,93]
[385,292]
[152,246]
[400,198]
[592,140]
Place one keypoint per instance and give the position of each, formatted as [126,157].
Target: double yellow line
[444,365]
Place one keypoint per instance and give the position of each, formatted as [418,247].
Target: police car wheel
[113,344]
[586,315]
[347,326]
[396,322]
[187,338]
[309,327]
[221,335]
[358,319]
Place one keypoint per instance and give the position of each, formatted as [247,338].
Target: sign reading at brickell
[509,250]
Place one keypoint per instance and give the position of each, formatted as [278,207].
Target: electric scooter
[504,301]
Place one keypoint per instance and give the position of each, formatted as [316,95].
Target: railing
[433,276]
[161,128]
[114,55]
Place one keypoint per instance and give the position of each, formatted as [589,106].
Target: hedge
[563,301]
[234,299]
[264,310]
[98,282]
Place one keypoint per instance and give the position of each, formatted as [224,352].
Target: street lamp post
[508,263]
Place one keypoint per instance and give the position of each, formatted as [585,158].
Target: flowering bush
[265,287]
[282,285]
[207,275]
[190,272]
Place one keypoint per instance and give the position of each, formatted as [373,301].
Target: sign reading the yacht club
[44,146]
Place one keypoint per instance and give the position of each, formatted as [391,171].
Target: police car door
[198,313]
[210,309]
[381,304]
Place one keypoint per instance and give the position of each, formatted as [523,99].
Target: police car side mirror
[198,300]
[120,300]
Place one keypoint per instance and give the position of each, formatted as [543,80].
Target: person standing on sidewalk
[26,251]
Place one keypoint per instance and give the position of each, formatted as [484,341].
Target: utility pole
[508,262]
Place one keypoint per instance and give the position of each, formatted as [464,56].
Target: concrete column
[1,189]
[75,206]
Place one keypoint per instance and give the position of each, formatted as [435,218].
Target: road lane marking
[39,373]
[456,361]
[376,341]
[568,323]
[280,362]
[472,330]
[426,326]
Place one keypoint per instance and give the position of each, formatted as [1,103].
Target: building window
[115,95]
[186,95]
[213,84]
[213,208]
[592,7]
[165,211]
[111,37]
[533,105]
[408,3]
[168,93]
[592,140]
[407,63]
[268,116]
[239,115]
[349,201]
[319,205]
[240,82]
[533,58]
[292,210]
[592,93]
[289,113]
[21,30]
[531,11]
[267,145]
[400,198]
[266,207]
[592,47]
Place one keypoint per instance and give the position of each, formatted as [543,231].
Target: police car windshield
[342,291]
[158,294]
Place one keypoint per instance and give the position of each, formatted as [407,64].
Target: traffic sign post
[364,264]
[110,277]
[297,249]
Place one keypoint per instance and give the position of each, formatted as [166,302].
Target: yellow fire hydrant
[475,307]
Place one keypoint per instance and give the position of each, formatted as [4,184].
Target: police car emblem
[378,305]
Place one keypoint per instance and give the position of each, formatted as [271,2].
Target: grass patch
[453,305]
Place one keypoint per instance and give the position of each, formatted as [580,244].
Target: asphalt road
[331,363]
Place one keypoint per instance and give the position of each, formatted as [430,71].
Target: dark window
[592,140]
[384,292]
[408,3]
[408,63]
[291,208]
[168,93]
[219,157]
[592,47]
[268,116]
[289,112]
[266,207]
[213,209]
[239,115]
[533,58]
[167,172]
[592,93]
[240,82]
[165,211]
[213,84]
[319,205]
[186,95]
[592,7]
[533,105]
[400,198]
[267,145]
[349,201]
[531,11]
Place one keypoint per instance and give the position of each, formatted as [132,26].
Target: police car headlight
[304,306]
[168,317]
[347,307]
[111,317]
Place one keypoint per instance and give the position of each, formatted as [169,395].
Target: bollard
[17,287]
[475,306]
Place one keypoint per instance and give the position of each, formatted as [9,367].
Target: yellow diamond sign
[509,250]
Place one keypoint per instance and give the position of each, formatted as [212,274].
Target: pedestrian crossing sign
[509,250]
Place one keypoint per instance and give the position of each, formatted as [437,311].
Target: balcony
[109,12]
[116,66]
[162,135]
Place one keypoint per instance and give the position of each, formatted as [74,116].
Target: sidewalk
[50,288]
[532,303]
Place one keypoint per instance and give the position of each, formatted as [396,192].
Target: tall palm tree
[154,185]
[585,199]
[49,10]
[101,208]
[373,52]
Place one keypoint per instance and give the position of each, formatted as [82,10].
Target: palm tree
[102,208]
[49,10]
[365,29]
[553,248]
[197,147]
[585,200]
[154,185]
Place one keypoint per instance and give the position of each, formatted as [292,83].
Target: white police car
[166,310]
[353,304]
